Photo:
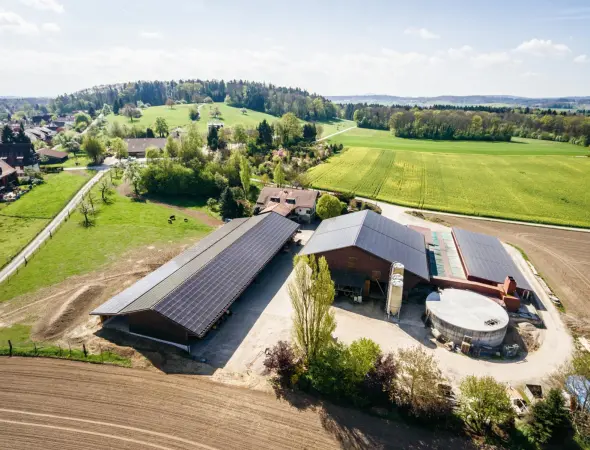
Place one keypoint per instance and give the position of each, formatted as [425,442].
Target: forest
[261,97]
[445,122]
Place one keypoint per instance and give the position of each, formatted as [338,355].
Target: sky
[528,48]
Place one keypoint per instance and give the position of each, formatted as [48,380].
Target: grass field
[230,116]
[536,181]
[120,226]
[22,220]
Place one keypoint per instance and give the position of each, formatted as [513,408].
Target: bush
[281,360]
[379,382]
[328,206]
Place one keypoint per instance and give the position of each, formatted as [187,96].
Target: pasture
[177,116]
[537,181]
[22,220]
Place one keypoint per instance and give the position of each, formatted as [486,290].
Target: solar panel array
[202,299]
[375,234]
[486,258]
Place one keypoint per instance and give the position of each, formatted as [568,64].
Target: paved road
[28,251]
[334,134]
[62,405]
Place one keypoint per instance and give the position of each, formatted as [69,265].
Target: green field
[230,116]
[120,226]
[22,220]
[538,181]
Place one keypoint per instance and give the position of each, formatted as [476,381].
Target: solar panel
[203,297]
[486,258]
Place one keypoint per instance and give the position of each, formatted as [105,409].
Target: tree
[264,134]
[484,403]
[116,106]
[82,117]
[131,111]
[309,132]
[328,206]
[161,127]
[172,148]
[228,207]
[245,175]
[289,129]
[106,109]
[7,135]
[86,211]
[149,133]
[282,360]
[243,110]
[21,137]
[548,418]
[193,113]
[239,134]
[94,148]
[312,293]
[279,175]
[379,383]
[69,141]
[213,138]
[169,103]
[105,189]
[119,148]
[417,384]
[91,111]
[133,175]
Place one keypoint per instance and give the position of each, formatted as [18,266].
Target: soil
[65,405]
[562,257]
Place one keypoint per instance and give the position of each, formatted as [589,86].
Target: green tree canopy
[245,175]
[161,127]
[548,418]
[94,148]
[264,134]
[328,206]
[279,175]
[119,148]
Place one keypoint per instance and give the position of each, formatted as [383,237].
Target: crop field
[545,182]
[22,220]
[230,116]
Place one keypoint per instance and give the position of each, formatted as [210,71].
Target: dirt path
[51,404]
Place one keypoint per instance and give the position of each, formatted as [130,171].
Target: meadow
[230,116]
[22,220]
[529,180]
[120,226]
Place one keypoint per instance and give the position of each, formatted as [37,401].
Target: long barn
[180,301]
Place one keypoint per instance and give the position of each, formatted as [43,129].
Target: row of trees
[261,97]
[9,137]
[445,122]
[408,380]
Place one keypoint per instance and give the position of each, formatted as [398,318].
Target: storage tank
[396,289]
[458,313]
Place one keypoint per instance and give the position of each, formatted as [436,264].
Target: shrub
[328,206]
[281,360]
[379,382]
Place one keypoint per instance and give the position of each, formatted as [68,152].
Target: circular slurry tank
[458,313]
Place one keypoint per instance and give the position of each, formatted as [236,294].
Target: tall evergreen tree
[7,135]
[213,138]
[116,106]
[228,207]
[264,134]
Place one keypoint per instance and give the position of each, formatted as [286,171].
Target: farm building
[297,204]
[456,313]
[136,147]
[180,301]
[362,248]
[7,175]
[53,156]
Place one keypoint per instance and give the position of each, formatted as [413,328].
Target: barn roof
[374,234]
[195,288]
[486,258]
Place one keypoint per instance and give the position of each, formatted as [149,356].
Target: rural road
[52,404]
[30,249]
[334,134]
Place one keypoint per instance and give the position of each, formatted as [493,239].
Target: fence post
[9,348]
[85,351]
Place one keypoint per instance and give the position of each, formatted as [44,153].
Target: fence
[75,352]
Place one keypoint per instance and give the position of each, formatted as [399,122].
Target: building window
[376,274]
[275,199]
[290,201]
[351,262]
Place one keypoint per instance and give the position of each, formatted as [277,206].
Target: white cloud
[485,60]
[460,53]
[13,23]
[51,27]
[530,75]
[581,59]
[45,5]
[422,33]
[150,35]
[542,47]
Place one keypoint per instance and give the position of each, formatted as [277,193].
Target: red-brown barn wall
[365,264]
[151,323]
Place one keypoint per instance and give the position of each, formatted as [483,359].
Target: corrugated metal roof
[375,234]
[196,287]
[486,258]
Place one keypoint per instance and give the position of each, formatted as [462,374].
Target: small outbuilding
[52,156]
[136,147]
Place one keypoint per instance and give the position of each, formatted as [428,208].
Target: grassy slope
[22,220]
[362,137]
[178,117]
[536,184]
[74,250]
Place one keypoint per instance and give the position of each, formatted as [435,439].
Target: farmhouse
[19,156]
[53,156]
[137,147]
[7,175]
[297,204]
[180,301]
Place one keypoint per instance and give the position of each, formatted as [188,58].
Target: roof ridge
[361,225]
